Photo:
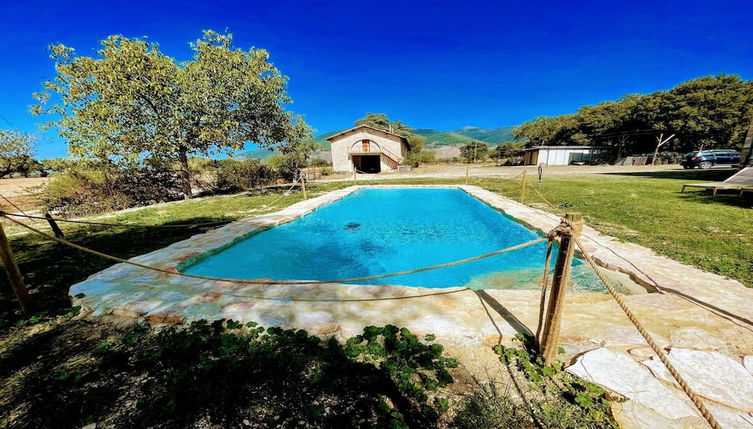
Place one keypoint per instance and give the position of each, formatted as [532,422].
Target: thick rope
[136,225]
[279,282]
[14,206]
[549,203]
[655,347]
[126,225]
[544,284]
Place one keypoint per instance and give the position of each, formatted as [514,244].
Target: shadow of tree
[713,174]
[200,375]
[49,268]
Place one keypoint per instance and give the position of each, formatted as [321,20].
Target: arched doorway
[366,156]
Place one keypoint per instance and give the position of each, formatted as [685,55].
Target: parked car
[709,158]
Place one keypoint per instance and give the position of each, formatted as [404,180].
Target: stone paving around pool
[705,321]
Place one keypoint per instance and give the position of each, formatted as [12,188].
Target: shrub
[230,374]
[246,175]
[556,399]
[83,190]
[474,151]
[319,162]
[229,175]
[414,159]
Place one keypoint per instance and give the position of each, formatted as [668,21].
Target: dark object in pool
[352,225]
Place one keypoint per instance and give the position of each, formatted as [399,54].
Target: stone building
[367,149]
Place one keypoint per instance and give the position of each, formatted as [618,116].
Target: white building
[367,149]
[563,155]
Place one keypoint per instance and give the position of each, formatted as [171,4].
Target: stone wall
[341,158]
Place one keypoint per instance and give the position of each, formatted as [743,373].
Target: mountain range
[434,138]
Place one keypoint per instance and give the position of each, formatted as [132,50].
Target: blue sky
[433,64]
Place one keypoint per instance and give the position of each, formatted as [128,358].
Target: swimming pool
[376,231]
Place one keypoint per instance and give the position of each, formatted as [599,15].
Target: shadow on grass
[731,198]
[50,268]
[712,175]
[211,375]
[699,195]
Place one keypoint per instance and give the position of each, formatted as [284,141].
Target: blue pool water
[376,231]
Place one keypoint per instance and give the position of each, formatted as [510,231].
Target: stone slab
[618,372]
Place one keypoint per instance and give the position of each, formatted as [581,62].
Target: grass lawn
[640,207]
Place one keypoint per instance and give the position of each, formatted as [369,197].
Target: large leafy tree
[382,122]
[296,151]
[474,151]
[133,103]
[16,153]
[710,111]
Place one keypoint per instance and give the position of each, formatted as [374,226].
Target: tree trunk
[185,175]
[658,145]
[660,141]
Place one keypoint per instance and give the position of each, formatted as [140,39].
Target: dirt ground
[24,192]
[448,171]
[21,193]
[22,186]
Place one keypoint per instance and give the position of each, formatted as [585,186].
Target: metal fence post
[551,333]
[14,274]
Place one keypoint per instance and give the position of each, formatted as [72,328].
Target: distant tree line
[17,154]
[707,112]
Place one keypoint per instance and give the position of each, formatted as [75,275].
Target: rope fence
[11,203]
[137,225]
[646,336]
[550,311]
[270,281]
[117,225]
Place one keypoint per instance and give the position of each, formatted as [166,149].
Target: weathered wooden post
[302,178]
[550,335]
[354,175]
[14,274]
[55,228]
[522,187]
[466,174]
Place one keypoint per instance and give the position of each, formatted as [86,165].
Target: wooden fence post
[466,174]
[354,175]
[551,333]
[522,187]
[14,274]
[303,186]
[55,228]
